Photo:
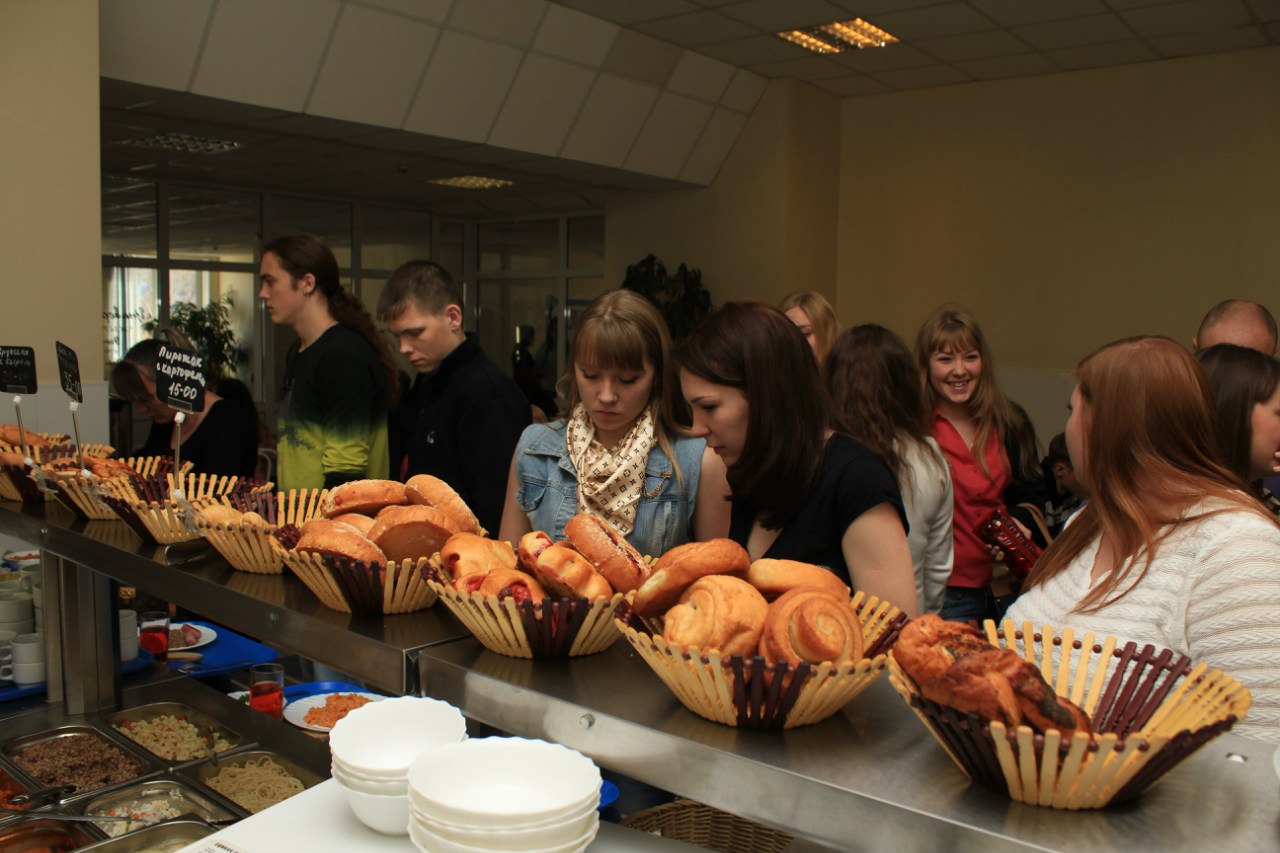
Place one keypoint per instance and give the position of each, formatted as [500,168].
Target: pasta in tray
[172,737]
[257,784]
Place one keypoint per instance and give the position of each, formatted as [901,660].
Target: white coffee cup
[12,586]
[28,648]
[15,606]
[32,575]
[128,635]
[26,673]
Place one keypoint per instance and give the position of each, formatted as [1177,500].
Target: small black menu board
[69,372]
[180,378]
[18,370]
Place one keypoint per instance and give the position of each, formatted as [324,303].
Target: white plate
[207,636]
[296,711]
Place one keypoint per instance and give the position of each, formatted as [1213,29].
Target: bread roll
[11,435]
[12,457]
[607,550]
[426,490]
[469,553]
[564,572]
[775,577]
[254,519]
[718,612]
[333,539]
[513,583]
[809,624]
[360,522]
[410,532]
[219,513]
[684,564]
[363,496]
[530,546]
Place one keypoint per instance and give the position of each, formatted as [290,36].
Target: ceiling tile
[464,88]
[887,58]
[999,67]
[433,11]
[1099,55]
[631,11]
[372,67]
[753,49]
[1011,13]
[570,34]
[1095,29]
[152,41]
[863,8]
[668,136]
[318,126]
[713,147]
[1193,44]
[805,68]
[1187,16]
[124,95]
[543,103]
[562,200]
[696,28]
[609,122]
[1266,10]
[202,109]
[920,78]
[772,16]
[946,19]
[642,57]
[852,84]
[509,204]
[700,76]
[973,45]
[511,21]
[744,90]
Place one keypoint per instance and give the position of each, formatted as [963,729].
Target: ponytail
[348,310]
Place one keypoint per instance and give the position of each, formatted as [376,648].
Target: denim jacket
[548,488]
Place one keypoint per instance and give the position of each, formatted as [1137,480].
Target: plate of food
[321,712]
[185,635]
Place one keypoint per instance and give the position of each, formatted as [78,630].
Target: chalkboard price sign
[18,370]
[180,378]
[69,372]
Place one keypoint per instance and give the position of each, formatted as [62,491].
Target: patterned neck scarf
[610,480]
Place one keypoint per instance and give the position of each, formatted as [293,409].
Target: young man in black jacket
[463,416]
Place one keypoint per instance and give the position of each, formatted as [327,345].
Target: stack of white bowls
[513,794]
[373,746]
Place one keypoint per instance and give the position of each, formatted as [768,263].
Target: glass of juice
[153,633]
[266,689]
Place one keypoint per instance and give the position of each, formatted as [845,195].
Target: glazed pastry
[469,553]
[530,546]
[564,572]
[775,577]
[513,583]
[677,569]
[718,612]
[363,496]
[811,625]
[410,532]
[11,435]
[607,550]
[426,490]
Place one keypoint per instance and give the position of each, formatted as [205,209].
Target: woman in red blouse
[988,442]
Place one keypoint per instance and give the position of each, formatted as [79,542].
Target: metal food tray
[17,746]
[205,725]
[46,831]
[196,801]
[164,837]
[204,772]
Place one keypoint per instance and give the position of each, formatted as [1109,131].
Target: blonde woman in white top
[875,386]
[1171,549]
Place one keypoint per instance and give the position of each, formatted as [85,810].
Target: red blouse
[976,496]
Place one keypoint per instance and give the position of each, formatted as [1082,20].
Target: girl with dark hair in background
[800,489]
[218,439]
[875,387]
[340,379]
[1246,385]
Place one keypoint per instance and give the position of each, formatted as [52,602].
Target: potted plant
[680,298]
[209,329]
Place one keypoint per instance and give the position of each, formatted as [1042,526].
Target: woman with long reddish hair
[1171,549]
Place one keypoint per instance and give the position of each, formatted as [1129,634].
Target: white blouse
[925,483]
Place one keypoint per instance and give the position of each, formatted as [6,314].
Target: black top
[225,442]
[853,479]
[461,424]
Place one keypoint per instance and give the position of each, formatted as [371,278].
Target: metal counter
[869,778]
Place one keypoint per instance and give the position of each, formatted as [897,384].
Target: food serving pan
[184,799]
[167,837]
[16,748]
[210,730]
[203,773]
[46,833]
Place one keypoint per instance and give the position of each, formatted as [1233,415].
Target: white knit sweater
[925,483]
[1212,593]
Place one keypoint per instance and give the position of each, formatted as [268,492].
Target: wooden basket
[753,694]
[144,503]
[554,628]
[82,494]
[17,483]
[361,588]
[254,548]
[709,828]
[1150,708]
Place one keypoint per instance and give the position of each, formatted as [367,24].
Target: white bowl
[557,834]
[388,815]
[429,842]
[359,775]
[387,789]
[428,812]
[383,738]
[502,781]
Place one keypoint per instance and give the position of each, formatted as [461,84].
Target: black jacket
[461,424]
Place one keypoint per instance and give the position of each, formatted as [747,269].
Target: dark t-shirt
[853,479]
[225,442]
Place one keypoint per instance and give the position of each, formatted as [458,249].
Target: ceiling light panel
[839,36]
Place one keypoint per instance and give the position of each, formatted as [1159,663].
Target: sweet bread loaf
[718,612]
[363,496]
[677,569]
[409,532]
[332,539]
[465,554]
[427,490]
[564,572]
[775,577]
[810,625]
[360,522]
[608,550]
[511,582]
